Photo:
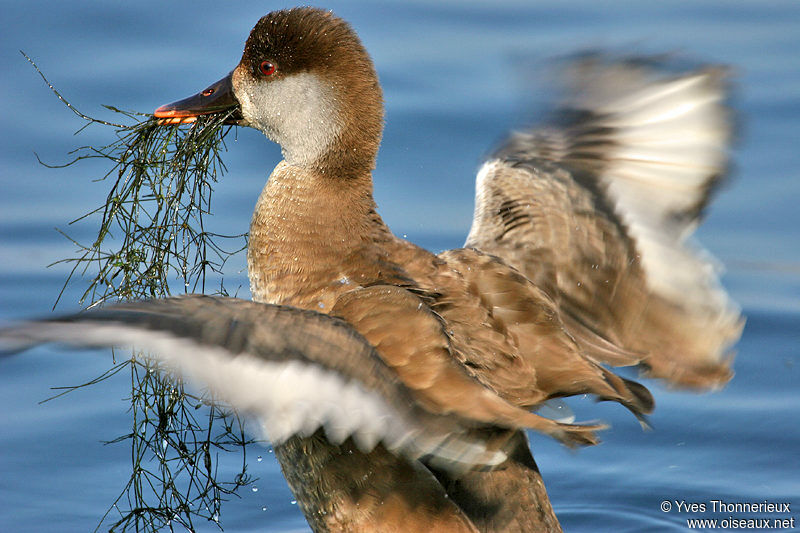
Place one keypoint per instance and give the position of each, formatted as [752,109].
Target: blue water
[456,76]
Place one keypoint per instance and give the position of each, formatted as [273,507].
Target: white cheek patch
[299,112]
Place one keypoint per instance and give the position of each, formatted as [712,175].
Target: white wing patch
[670,140]
[287,397]
[482,190]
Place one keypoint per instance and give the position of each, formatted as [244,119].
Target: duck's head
[307,82]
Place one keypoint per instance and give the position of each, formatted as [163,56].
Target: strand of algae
[151,236]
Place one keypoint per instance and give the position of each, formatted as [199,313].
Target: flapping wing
[526,316]
[296,371]
[597,208]
[412,340]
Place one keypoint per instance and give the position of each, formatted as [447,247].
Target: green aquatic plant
[151,238]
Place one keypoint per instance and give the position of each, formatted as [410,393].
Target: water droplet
[321,305]
[260,458]
[255,489]
[293,502]
[264,508]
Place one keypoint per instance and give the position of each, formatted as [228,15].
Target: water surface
[456,76]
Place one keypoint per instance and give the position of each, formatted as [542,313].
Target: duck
[396,384]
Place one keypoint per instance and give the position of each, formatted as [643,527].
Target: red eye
[266,68]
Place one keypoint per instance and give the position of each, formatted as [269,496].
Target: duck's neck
[307,224]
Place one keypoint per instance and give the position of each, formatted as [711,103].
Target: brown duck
[396,384]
